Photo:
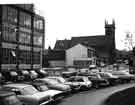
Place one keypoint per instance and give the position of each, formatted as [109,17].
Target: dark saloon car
[26,74]
[97,80]
[109,77]
[2,79]
[9,98]
[10,75]
[42,73]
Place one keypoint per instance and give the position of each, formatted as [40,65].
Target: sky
[67,18]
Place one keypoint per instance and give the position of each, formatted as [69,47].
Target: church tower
[110,38]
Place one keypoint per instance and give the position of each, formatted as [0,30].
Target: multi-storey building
[21,37]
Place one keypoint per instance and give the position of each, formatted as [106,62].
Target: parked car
[20,76]
[112,79]
[10,75]
[2,79]
[26,75]
[79,82]
[124,76]
[28,94]
[55,94]
[62,80]
[68,74]
[97,80]
[33,74]
[9,98]
[53,84]
[42,73]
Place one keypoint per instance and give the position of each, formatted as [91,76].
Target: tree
[129,42]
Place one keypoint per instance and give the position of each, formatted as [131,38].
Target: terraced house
[21,37]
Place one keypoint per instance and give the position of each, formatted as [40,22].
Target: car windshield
[29,90]
[43,88]
[105,75]
[51,81]
[11,100]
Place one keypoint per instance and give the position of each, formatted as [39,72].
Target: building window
[24,38]
[9,32]
[25,19]
[36,57]
[37,40]
[38,23]
[25,57]
[10,14]
[90,53]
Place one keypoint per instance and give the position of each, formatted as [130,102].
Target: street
[93,96]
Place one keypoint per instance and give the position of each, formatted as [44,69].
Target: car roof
[15,85]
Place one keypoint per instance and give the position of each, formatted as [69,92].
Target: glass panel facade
[10,14]
[25,57]
[24,38]
[25,19]
[9,32]
[38,23]
[36,57]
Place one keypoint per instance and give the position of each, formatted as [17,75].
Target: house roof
[91,41]
[84,46]
[62,44]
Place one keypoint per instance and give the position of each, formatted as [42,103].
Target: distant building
[103,44]
[55,58]
[80,56]
[21,37]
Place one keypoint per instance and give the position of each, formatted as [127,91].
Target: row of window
[25,19]
[9,34]
[82,63]
[9,56]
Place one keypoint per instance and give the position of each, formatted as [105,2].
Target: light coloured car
[80,82]
[53,84]
[112,79]
[9,98]
[55,94]
[124,76]
[28,94]
[64,81]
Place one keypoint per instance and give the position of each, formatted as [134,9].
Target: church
[104,45]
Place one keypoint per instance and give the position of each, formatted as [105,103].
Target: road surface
[93,96]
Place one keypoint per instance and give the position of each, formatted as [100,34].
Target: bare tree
[129,42]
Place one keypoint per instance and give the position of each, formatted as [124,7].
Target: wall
[78,51]
[56,63]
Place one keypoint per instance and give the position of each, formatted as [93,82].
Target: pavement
[93,96]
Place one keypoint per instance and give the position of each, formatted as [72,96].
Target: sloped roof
[62,44]
[91,41]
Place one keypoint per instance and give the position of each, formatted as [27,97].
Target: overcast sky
[67,18]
